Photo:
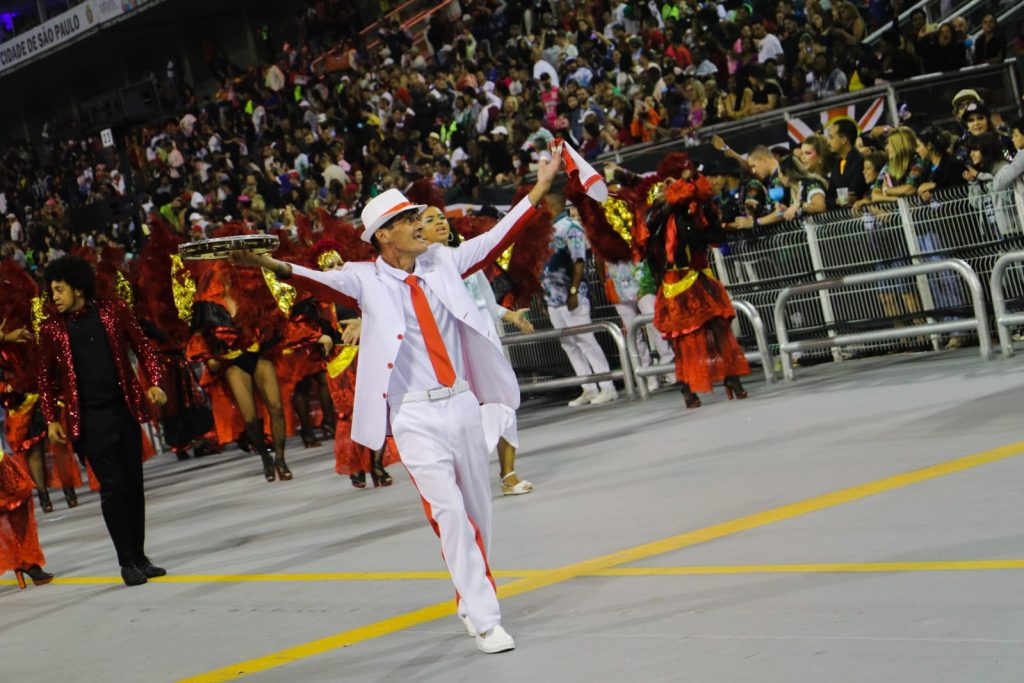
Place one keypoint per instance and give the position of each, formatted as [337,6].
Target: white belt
[437,394]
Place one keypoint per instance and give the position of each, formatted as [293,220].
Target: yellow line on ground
[242,578]
[604,562]
[694,570]
[834,568]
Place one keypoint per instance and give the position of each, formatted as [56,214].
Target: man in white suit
[428,360]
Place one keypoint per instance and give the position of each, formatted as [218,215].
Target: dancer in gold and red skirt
[693,311]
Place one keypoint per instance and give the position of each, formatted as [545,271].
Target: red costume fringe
[19,535]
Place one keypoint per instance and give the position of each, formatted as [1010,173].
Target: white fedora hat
[383,208]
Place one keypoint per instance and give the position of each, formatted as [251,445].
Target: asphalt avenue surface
[860,524]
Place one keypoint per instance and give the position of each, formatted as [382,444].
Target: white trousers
[443,446]
[585,354]
[499,423]
[665,354]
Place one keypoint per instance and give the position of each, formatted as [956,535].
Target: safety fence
[865,260]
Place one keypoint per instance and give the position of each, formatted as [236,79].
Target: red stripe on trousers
[429,511]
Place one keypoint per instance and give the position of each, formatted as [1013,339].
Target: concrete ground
[659,545]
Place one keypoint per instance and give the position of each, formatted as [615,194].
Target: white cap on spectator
[384,207]
[11,215]
[499,130]
[195,218]
[967,93]
[304,103]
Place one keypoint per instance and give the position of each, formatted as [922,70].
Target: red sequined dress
[19,535]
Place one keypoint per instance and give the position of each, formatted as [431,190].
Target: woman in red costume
[304,371]
[693,311]
[19,535]
[186,417]
[237,330]
[25,425]
[350,458]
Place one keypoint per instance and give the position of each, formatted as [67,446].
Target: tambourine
[221,247]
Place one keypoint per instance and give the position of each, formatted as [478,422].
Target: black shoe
[182,454]
[132,575]
[149,569]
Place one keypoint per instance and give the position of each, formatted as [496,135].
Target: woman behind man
[500,427]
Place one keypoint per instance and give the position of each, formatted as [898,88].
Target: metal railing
[978,322]
[1005,320]
[932,11]
[624,373]
[763,355]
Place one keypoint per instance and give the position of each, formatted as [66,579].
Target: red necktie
[431,335]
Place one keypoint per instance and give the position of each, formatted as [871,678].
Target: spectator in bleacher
[990,47]
[766,93]
[941,51]
[815,155]
[903,171]
[826,80]
[976,118]
[1009,174]
[933,147]
[806,189]
[995,209]
[846,182]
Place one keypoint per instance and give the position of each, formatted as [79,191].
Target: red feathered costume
[186,418]
[693,310]
[350,458]
[19,535]
[25,424]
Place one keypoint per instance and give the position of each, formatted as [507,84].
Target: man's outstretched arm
[474,254]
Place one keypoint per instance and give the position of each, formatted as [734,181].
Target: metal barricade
[977,323]
[1004,319]
[625,373]
[762,355]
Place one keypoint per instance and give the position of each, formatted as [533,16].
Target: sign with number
[107,136]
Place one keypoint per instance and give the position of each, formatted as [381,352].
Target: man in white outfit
[427,362]
[568,302]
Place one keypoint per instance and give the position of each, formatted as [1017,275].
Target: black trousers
[111,442]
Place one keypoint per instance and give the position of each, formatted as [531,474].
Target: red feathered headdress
[345,234]
[151,276]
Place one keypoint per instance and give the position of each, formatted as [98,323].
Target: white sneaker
[652,384]
[583,399]
[494,641]
[605,396]
[470,629]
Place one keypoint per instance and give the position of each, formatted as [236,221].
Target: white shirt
[16,231]
[769,48]
[413,370]
[540,67]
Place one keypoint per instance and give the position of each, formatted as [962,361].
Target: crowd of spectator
[330,117]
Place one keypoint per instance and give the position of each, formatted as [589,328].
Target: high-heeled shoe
[692,400]
[380,476]
[36,573]
[358,480]
[45,504]
[269,473]
[283,473]
[309,439]
[733,388]
[327,430]
[70,496]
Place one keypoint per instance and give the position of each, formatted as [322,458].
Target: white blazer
[379,296]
